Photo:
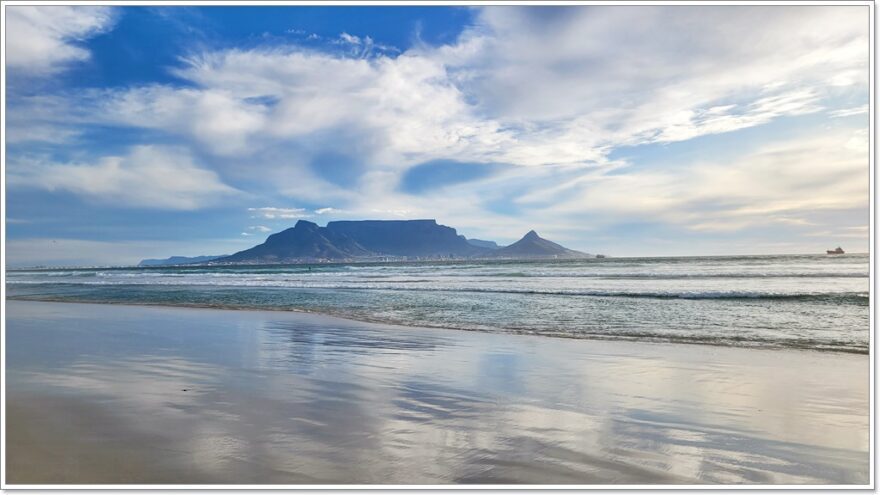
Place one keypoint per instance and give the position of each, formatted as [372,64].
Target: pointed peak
[532,235]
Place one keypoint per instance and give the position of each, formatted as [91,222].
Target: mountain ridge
[534,246]
[305,240]
[352,240]
[405,237]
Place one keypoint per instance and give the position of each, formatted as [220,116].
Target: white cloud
[148,176]
[405,104]
[849,112]
[327,211]
[42,40]
[615,76]
[273,213]
[719,119]
[34,132]
[218,121]
[260,228]
[782,183]
[553,90]
[397,213]
[348,38]
[633,65]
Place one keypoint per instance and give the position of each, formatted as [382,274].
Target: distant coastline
[367,261]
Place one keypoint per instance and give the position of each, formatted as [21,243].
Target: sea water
[794,301]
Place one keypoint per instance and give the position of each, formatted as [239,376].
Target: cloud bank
[552,96]
[43,40]
[148,176]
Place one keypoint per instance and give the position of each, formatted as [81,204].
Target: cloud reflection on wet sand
[248,397]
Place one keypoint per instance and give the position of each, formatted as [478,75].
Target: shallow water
[812,302]
[111,393]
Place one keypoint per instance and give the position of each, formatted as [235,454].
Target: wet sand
[124,394]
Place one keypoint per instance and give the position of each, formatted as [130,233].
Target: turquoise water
[812,302]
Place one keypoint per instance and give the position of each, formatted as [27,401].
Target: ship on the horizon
[839,250]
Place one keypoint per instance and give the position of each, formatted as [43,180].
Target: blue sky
[138,132]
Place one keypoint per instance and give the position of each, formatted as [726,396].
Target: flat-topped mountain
[307,241]
[534,246]
[304,241]
[406,239]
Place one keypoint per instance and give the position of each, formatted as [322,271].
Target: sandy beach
[134,394]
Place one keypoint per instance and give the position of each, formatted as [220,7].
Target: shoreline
[439,260]
[585,337]
[111,393]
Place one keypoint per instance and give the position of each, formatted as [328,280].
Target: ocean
[816,302]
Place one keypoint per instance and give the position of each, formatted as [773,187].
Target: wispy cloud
[727,118]
[494,97]
[555,95]
[147,177]
[848,112]
[328,211]
[36,132]
[273,213]
[783,183]
[396,213]
[348,38]
[43,40]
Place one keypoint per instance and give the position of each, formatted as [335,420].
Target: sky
[145,132]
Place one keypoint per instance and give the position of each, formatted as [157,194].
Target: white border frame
[5,486]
